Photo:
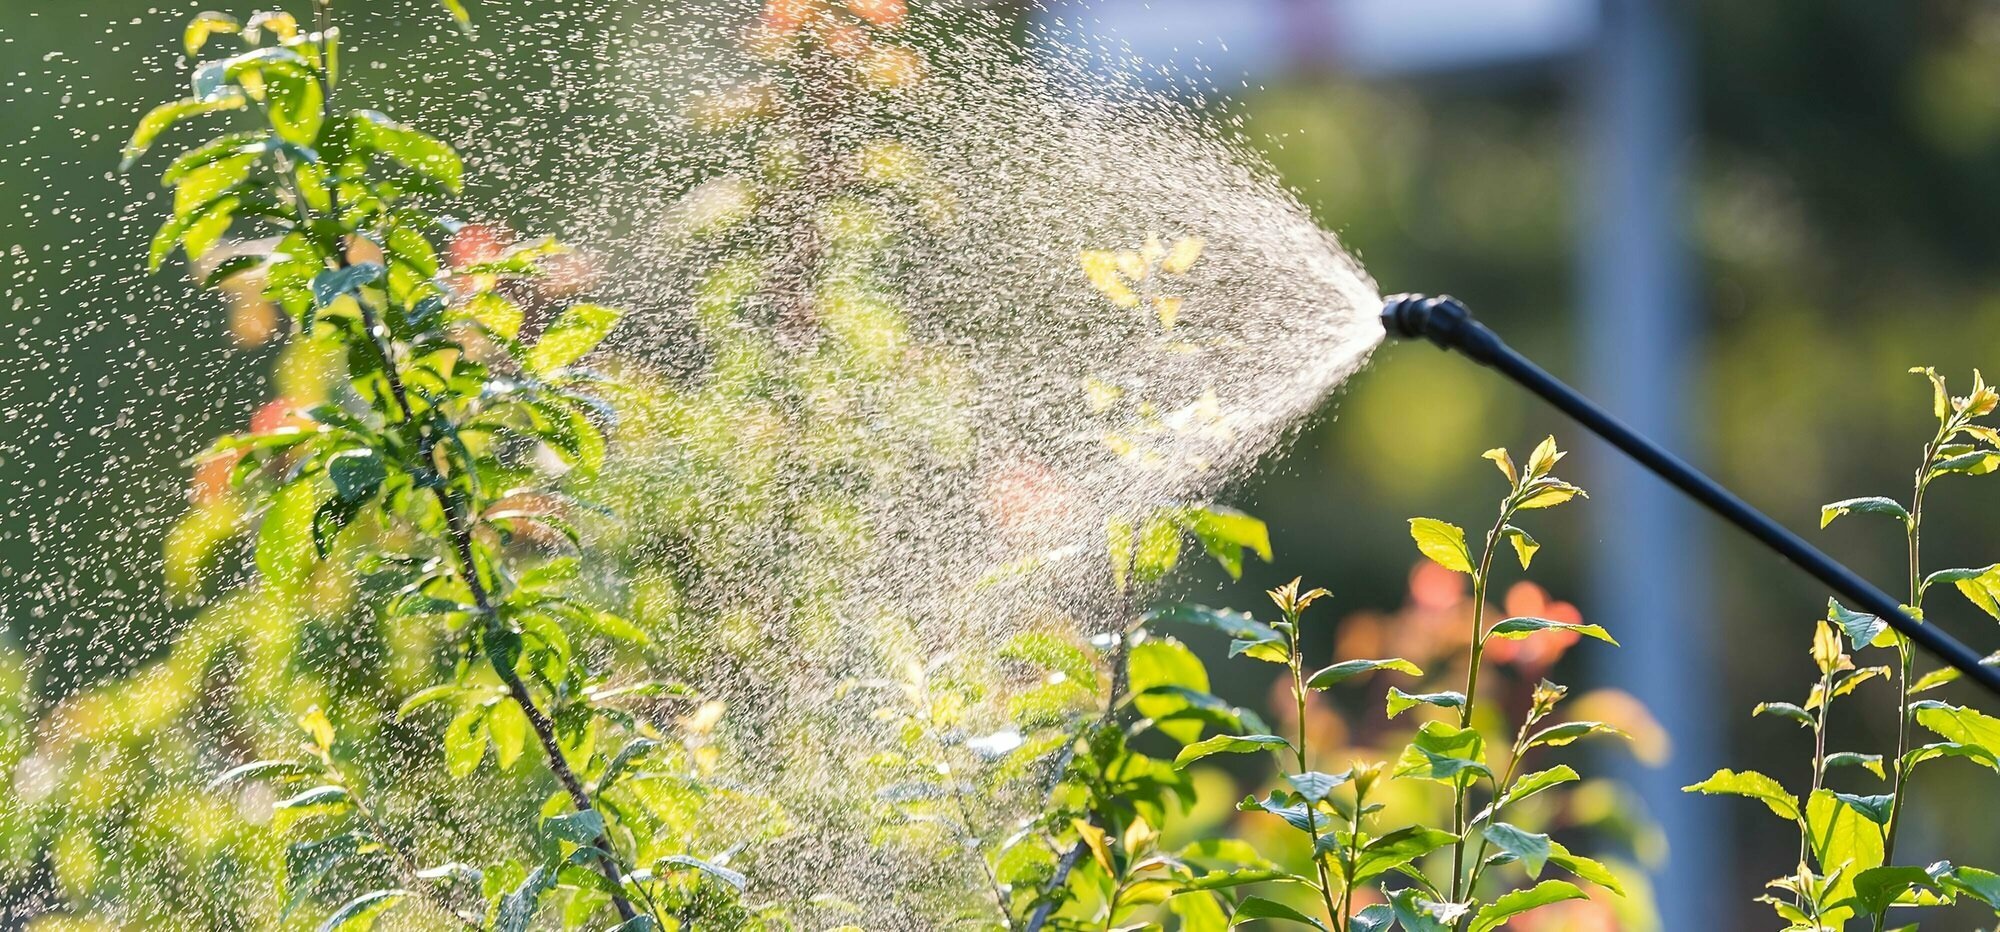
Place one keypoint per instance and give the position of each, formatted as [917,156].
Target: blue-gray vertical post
[1650,567]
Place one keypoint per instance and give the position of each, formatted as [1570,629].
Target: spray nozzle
[1443,320]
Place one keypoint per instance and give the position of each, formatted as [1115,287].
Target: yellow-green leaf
[1443,543]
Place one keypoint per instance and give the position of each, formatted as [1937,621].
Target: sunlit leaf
[1517,902]
[1874,505]
[1517,628]
[1443,543]
[1752,784]
[1348,669]
[1530,848]
[1228,744]
[578,331]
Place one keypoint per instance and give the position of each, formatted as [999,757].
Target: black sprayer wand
[1446,322]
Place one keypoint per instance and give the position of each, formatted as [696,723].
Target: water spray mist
[1446,322]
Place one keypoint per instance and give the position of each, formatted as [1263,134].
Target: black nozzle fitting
[1443,320]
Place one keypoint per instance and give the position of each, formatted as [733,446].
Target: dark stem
[460,533]
[1119,680]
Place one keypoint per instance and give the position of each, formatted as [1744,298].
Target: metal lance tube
[1446,322]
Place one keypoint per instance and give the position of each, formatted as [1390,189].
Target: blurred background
[1738,224]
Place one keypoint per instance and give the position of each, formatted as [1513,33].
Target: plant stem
[1818,772]
[1299,747]
[1520,750]
[1905,657]
[1458,878]
[459,532]
[1120,678]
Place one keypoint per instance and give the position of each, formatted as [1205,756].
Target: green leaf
[1257,907]
[1348,669]
[1874,808]
[314,798]
[508,726]
[1269,650]
[578,331]
[1443,543]
[1530,784]
[160,118]
[360,913]
[495,313]
[1400,701]
[1118,545]
[1959,725]
[1521,901]
[1416,914]
[1156,551]
[580,828]
[1398,848]
[1971,463]
[1785,710]
[459,15]
[205,24]
[1524,545]
[428,157]
[1228,621]
[1530,848]
[684,862]
[1515,629]
[1164,662]
[1567,732]
[285,553]
[426,696]
[1444,753]
[1584,868]
[1046,651]
[1862,629]
[295,103]
[1874,505]
[465,742]
[262,770]
[1226,533]
[1869,762]
[1981,884]
[308,862]
[517,909]
[329,285]
[356,474]
[1840,836]
[1877,888]
[1982,589]
[1753,785]
[1970,752]
[1228,744]
[1316,786]
[1380,917]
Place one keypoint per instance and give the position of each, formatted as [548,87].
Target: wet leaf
[578,331]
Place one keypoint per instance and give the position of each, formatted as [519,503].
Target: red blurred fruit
[479,242]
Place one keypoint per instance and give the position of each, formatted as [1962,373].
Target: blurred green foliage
[1845,177]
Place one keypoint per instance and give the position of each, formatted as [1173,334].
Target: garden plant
[430,685]
[1847,872]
